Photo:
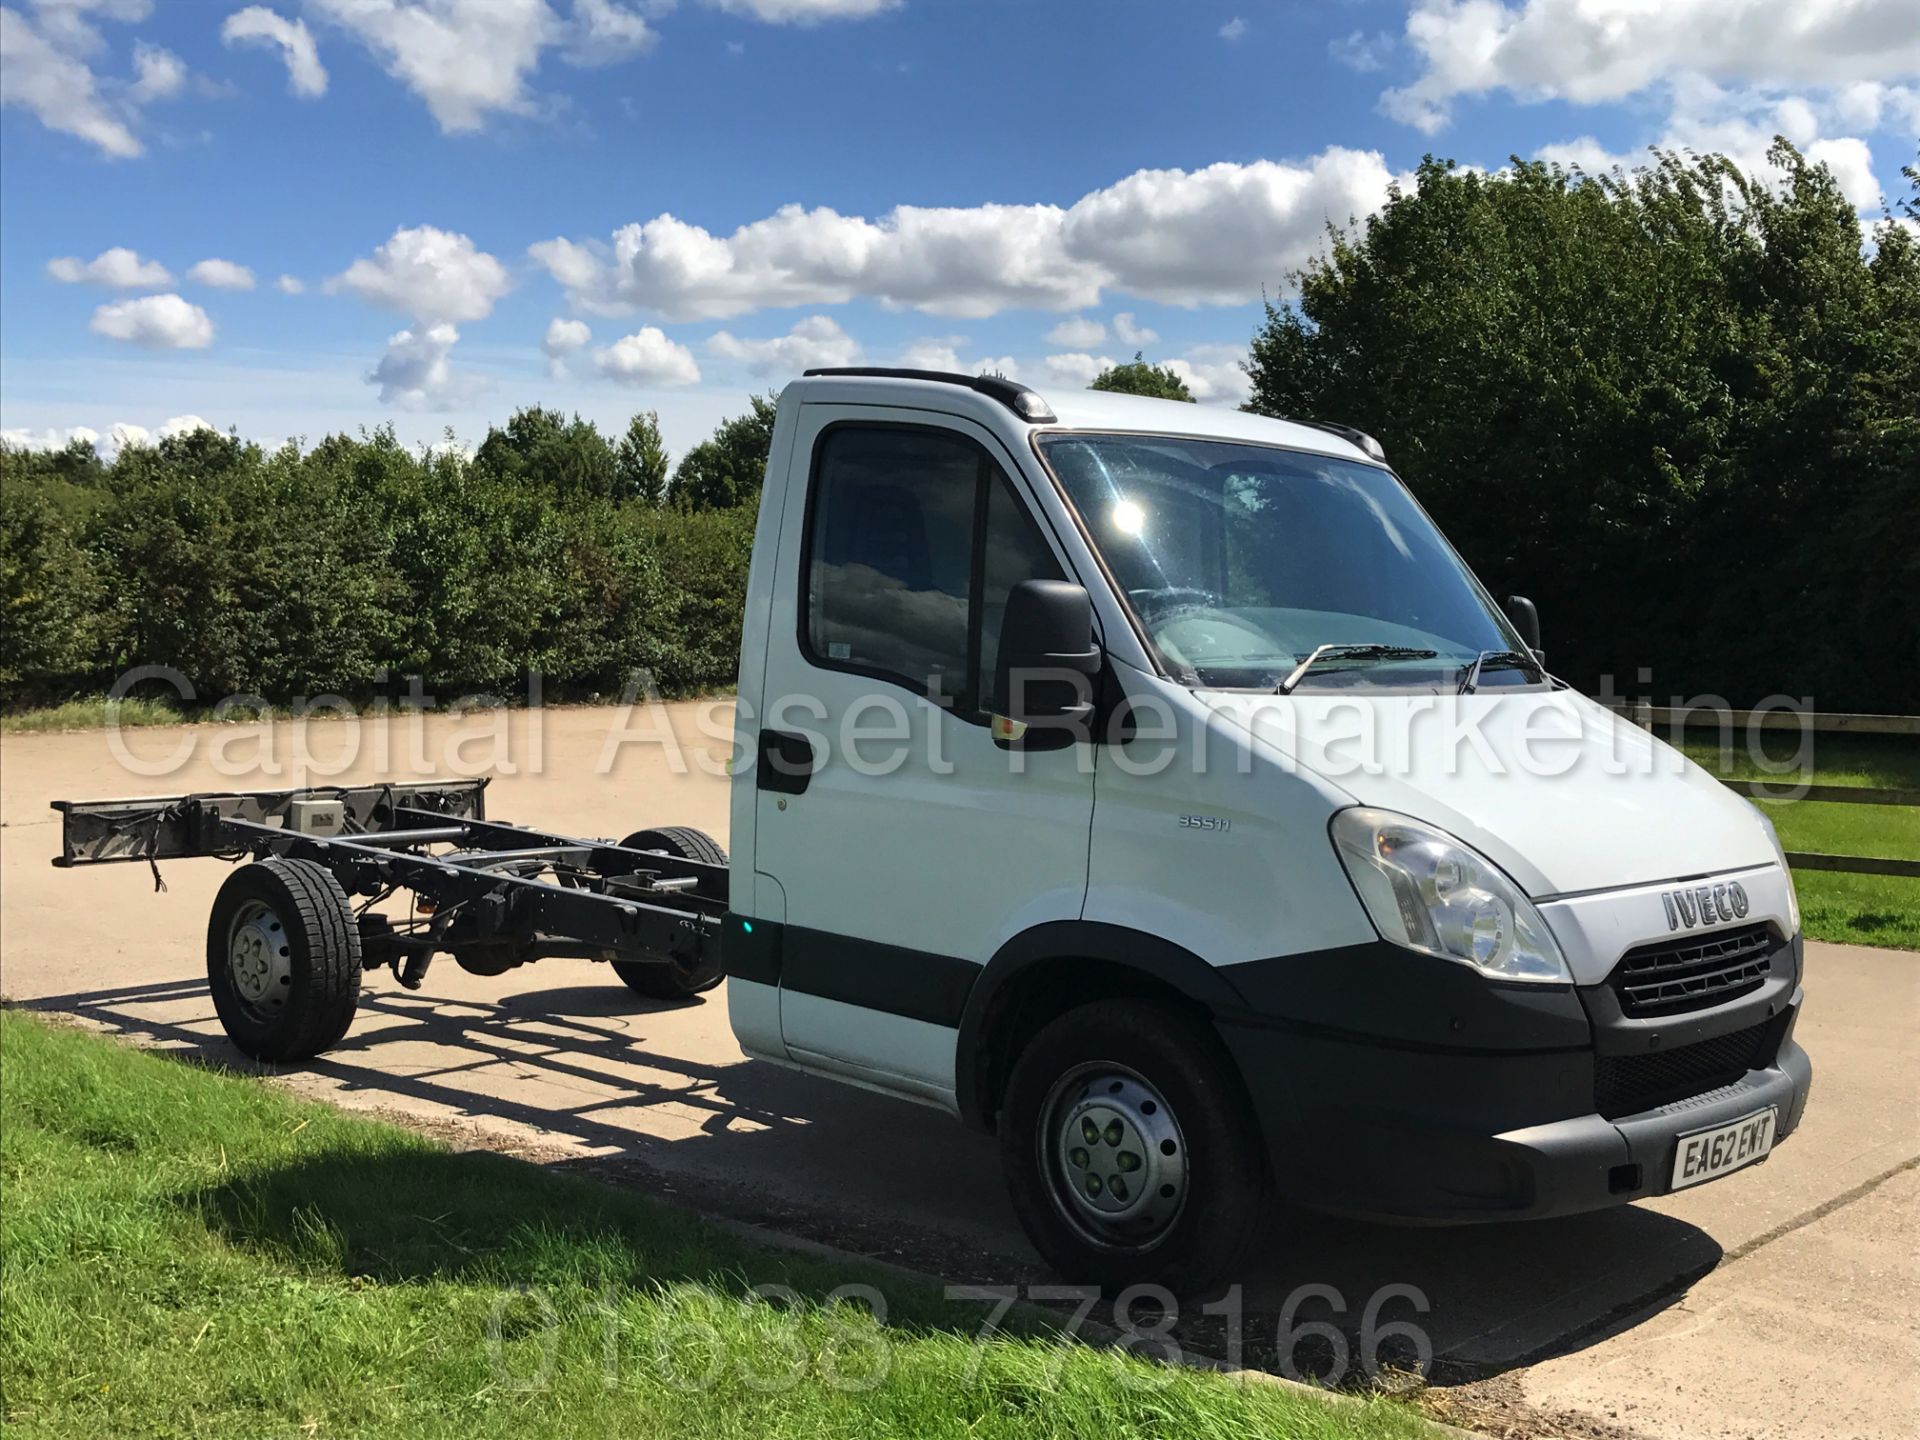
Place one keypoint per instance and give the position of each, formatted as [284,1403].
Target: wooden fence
[1729,721]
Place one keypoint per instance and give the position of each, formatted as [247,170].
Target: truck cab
[1154,786]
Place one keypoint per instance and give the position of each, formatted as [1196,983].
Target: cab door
[907,844]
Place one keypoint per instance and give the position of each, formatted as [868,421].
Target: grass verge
[1889,762]
[90,714]
[190,1253]
[1856,909]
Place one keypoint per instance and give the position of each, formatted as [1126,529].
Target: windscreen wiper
[1499,660]
[1350,652]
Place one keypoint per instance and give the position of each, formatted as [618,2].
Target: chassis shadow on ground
[581,1071]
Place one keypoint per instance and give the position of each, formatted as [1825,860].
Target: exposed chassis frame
[501,896]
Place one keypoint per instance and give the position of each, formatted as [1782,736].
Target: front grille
[1692,972]
[1630,1084]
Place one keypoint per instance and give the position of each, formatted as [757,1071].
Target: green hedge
[287,574]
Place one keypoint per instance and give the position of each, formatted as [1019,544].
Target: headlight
[1427,891]
[1780,854]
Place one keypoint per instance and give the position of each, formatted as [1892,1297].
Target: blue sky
[584,203]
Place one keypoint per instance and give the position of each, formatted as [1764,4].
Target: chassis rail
[502,895]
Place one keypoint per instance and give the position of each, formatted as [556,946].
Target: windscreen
[1241,560]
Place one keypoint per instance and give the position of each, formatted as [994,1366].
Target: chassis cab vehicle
[1225,836]
[1151,785]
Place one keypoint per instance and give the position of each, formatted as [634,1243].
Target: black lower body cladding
[1398,1085]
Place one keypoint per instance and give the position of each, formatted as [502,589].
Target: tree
[1137,377]
[565,456]
[640,462]
[729,468]
[54,613]
[1678,407]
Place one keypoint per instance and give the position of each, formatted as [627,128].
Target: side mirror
[1526,620]
[1046,664]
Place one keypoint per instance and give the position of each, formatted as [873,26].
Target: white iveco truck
[1151,785]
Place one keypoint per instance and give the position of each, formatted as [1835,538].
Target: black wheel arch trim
[1152,956]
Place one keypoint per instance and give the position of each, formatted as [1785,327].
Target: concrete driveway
[1782,1302]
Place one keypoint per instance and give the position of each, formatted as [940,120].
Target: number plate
[1707,1154]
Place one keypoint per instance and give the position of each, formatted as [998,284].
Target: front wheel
[672,981]
[1130,1149]
[283,959]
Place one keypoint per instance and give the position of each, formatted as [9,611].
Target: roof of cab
[1099,410]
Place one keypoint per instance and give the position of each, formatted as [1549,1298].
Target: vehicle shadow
[596,1076]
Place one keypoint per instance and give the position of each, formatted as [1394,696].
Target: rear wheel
[672,981]
[1130,1149]
[283,959]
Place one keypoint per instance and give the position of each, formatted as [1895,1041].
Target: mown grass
[190,1253]
[1886,832]
[1834,905]
[1890,762]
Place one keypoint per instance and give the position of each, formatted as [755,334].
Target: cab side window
[1011,551]
[914,538]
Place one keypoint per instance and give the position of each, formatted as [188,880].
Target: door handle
[786,762]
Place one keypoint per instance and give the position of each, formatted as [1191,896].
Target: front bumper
[1448,1132]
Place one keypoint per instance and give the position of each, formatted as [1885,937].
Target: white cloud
[432,275]
[1361,52]
[50,439]
[470,59]
[1207,236]
[949,261]
[290,285]
[43,69]
[257,25]
[464,58]
[1213,374]
[1216,236]
[1742,124]
[1077,368]
[935,354]
[221,275]
[1077,330]
[942,352]
[647,357]
[69,23]
[804,12]
[417,373]
[1234,30]
[563,338]
[118,268]
[157,74]
[1129,332]
[815,341]
[1591,51]
[124,437]
[160,322]
[604,32]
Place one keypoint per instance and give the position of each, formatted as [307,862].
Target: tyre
[1130,1149]
[675,981]
[283,959]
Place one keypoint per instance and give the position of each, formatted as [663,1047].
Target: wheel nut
[1127,1161]
[1079,1157]
[1113,1132]
[1119,1188]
